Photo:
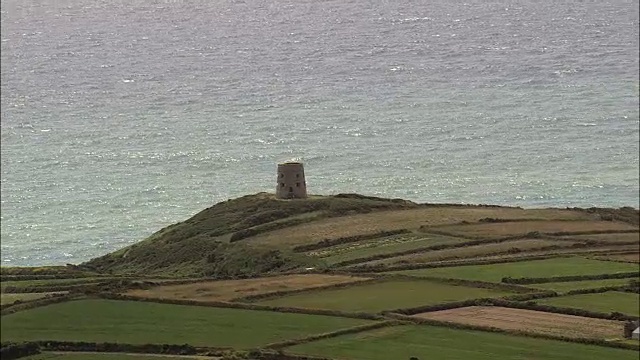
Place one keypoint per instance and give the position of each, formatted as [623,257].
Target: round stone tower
[291,183]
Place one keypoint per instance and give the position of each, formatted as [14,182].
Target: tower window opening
[281,185]
[297,184]
[297,175]
[290,189]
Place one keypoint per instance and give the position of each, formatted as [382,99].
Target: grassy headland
[262,278]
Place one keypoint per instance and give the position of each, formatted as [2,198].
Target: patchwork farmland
[344,277]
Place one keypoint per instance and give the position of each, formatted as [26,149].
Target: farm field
[606,237]
[622,257]
[381,246]
[500,229]
[587,252]
[246,253]
[402,219]
[151,323]
[387,295]
[440,343]
[610,301]
[471,251]
[585,284]
[224,290]
[11,298]
[534,268]
[536,322]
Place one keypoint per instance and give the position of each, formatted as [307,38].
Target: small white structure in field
[636,334]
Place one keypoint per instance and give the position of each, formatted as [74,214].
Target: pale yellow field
[224,290]
[493,230]
[530,321]
[403,219]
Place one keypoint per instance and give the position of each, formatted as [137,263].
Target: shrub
[10,351]
[525,280]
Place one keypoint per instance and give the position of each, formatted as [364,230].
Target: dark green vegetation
[101,356]
[585,284]
[184,289]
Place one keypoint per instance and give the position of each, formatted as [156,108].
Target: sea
[119,118]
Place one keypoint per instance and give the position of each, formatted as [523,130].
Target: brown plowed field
[530,321]
[524,227]
[224,290]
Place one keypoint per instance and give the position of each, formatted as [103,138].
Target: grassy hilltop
[258,234]
[346,277]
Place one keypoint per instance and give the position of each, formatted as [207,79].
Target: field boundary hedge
[348,239]
[168,349]
[244,306]
[282,293]
[471,262]
[439,307]
[621,288]
[570,278]
[434,229]
[531,305]
[27,277]
[11,350]
[463,282]
[27,305]
[524,301]
[424,249]
[591,232]
[351,330]
[271,226]
[22,302]
[51,288]
[454,325]
[510,251]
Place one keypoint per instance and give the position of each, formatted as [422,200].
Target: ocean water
[121,117]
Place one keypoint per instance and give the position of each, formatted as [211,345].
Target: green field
[101,356]
[585,284]
[388,295]
[141,323]
[535,268]
[385,246]
[440,343]
[11,298]
[610,301]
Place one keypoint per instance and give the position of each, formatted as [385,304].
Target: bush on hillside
[10,351]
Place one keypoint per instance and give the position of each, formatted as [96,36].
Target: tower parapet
[291,181]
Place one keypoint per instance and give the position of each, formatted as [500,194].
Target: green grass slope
[214,241]
[256,234]
[134,322]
